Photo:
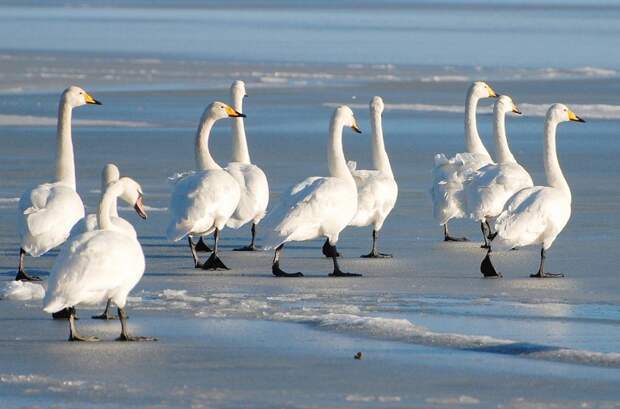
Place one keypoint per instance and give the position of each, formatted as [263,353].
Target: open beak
[139,207]
[356,128]
[515,110]
[90,100]
[233,113]
[573,117]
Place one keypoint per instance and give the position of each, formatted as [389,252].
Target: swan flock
[101,259]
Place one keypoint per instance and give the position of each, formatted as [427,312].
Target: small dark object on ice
[358,356]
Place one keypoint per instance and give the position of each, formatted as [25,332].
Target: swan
[203,201]
[318,206]
[376,189]
[449,174]
[536,215]
[99,265]
[251,179]
[488,189]
[46,213]
[110,174]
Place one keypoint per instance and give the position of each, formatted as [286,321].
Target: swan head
[561,113]
[345,116]
[131,194]
[237,90]
[376,105]
[76,97]
[481,89]
[219,110]
[110,174]
[505,104]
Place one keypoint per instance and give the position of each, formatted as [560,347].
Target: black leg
[21,273]
[73,332]
[541,268]
[214,262]
[447,237]
[251,246]
[483,227]
[374,253]
[202,246]
[122,315]
[65,314]
[106,315]
[275,266]
[487,269]
[194,255]
[337,271]
[326,250]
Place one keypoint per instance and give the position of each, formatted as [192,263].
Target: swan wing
[376,197]
[254,194]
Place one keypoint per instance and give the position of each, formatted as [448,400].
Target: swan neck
[239,142]
[65,163]
[108,202]
[335,154]
[473,142]
[380,158]
[502,150]
[204,160]
[555,177]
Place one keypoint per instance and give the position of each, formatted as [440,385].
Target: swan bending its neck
[472,138]
[239,143]
[204,160]
[380,158]
[335,154]
[65,164]
[555,177]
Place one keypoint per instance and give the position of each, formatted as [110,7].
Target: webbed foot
[214,263]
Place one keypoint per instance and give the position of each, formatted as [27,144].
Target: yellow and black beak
[573,117]
[232,113]
[90,100]
[139,207]
[492,93]
[356,128]
[515,110]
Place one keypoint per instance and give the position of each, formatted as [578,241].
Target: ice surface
[22,291]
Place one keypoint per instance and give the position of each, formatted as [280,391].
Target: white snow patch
[30,120]
[459,400]
[180,295]
[22,291]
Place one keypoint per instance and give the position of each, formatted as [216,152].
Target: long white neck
[107,204]
[204,160]
[501,141]
[240,152]
[335,155]
[380,158]
[473,142]
[65,165]
[114,205]
[555,177]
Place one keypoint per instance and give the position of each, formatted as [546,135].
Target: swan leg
[374,253]
[214,262]
[485,234]
[251,246]
[337,271]
[202,246]
[65,314]
[21,273]
[326,250]
[73,332]
[541,269]
[447,237]
[487,269]
[275,266]
[194,255]
[124,334]
[106,315]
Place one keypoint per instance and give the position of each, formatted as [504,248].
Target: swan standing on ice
[99,265]
[536,215]
[203,201]
[449,174]
[251,179]
[488,189]
[318,206]
[376,189]
[110,175]
[47,212]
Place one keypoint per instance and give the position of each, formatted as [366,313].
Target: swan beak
[356,128]
[232,113]
[90,100]
[515,110]
[492,93]
[139,207]
[573,117]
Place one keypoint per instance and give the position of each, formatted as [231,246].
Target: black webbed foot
[134,338]
[202,246]
[376,254]
[278,272]
[249,247]
[83,338]
[542,274]
[456,239]
[214,263]
[339,273]
[105,316]
[23,276]
[487,269]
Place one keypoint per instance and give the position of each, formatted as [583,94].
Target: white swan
[536,215]
[133,197]
[252,180]
[47,212]
[203,201]
[488,189]
[98,265]
[318,206]
[376,189]
[449,174]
